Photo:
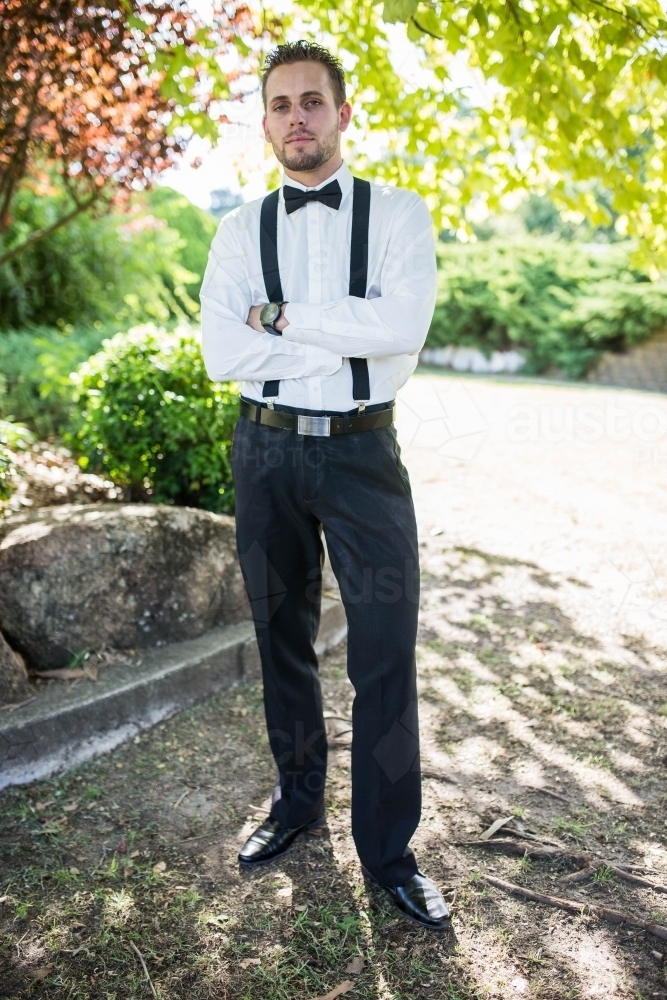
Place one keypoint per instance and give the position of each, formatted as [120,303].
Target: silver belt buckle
[315,426]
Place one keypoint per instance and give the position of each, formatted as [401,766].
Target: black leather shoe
[419,899]
[271,840]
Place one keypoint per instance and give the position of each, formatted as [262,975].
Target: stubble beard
[299,160]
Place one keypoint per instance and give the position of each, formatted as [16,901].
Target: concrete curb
[64,727]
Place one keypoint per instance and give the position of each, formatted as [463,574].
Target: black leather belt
[307,423]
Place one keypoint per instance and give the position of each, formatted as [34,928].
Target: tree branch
[17,169]
[40,234]
[425,30]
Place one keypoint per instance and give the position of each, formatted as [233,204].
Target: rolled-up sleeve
[232,349]
[394,322]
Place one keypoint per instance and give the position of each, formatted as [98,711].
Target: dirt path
[543,696]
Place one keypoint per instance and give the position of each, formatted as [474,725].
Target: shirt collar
[342,175]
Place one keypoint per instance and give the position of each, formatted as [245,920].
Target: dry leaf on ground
[338,990]
[495,827]
[40,973]
[356,965]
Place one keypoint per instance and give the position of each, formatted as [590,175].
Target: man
[318,298]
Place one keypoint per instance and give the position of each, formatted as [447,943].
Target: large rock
[111,575]
[641,367]
[13,676]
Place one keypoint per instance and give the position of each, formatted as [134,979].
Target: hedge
[560,304]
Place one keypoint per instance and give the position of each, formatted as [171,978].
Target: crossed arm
[316,338]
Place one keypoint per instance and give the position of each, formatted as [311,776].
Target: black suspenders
[268,248]
[361,209]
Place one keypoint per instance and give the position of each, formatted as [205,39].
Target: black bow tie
[296,198]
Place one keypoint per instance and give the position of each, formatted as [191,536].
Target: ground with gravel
[542,514]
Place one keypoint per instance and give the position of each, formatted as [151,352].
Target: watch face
[269,313]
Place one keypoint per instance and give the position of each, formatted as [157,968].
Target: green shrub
[121,268]
[153,422]
[16,438]
[61,298]
[6,469]
[560,304]
[35,365]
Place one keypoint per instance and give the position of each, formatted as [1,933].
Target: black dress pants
[354,487]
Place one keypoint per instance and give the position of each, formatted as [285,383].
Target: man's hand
[253,318]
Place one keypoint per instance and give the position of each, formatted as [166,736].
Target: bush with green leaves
[153,422]
[6,469]
[35,365]
[560,304]
[65,294]
[13,437]
[144,264]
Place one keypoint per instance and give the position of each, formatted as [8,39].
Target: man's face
[301,121]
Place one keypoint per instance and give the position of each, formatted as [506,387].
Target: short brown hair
[302,51]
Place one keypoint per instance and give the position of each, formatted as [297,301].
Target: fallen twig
[636,879]
[602,912]
[438,776]
[582,876]
[143,966]
[75,951]
[553,795]
[531,836]
[67,675]
[540,852]
[198,836]
[19,704]
[586,862]
[181,797]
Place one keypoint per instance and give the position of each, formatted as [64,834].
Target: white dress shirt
[326,325]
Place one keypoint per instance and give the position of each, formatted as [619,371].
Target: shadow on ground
[524,712]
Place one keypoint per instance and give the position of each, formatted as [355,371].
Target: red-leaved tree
[105,93]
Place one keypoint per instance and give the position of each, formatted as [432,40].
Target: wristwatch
[269,315]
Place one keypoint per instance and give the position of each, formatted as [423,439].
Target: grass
[576,827]
[121,872]
[603,875]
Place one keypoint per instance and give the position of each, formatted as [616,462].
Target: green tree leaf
[398,10]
